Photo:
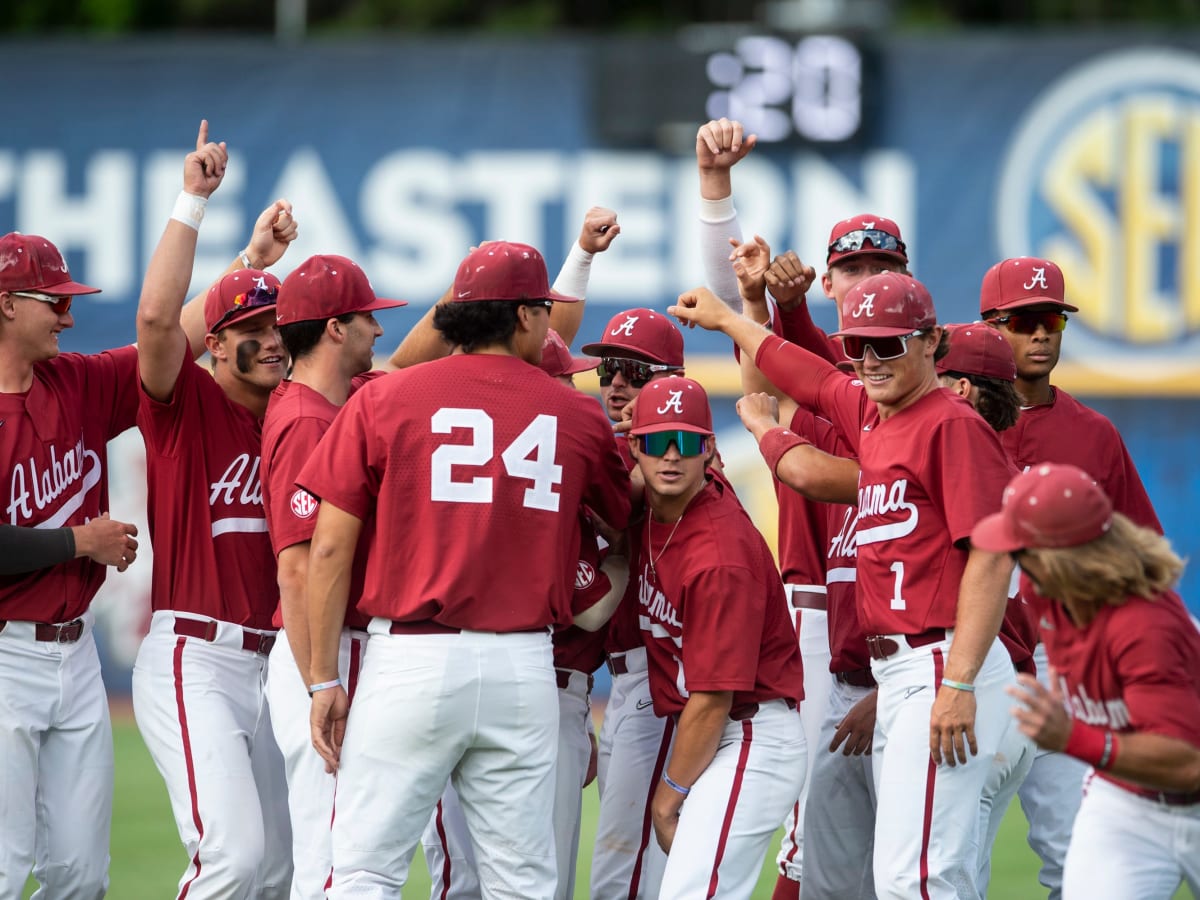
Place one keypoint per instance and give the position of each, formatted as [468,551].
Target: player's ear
[8,305]
[215,346]
[633,445]
[333,328]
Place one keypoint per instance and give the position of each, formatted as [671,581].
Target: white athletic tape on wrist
[189,209]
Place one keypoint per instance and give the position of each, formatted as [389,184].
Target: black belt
[856,678]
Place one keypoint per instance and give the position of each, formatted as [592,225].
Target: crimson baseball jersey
[802,522]
[1066,431]
[475,467]
[713,613]
[574,647]
[1135,667]
[212,555]
[54,443]
[297,418]
[928,474]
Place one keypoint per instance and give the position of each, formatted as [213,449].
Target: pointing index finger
[202,137]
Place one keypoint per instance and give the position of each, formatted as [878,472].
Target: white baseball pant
[56,780]
[734,807]
[309,786]
[627,863]
[201,708]
[1126,846]
[449,855]
[927,817]
[476,708]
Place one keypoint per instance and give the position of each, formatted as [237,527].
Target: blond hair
[1126,561]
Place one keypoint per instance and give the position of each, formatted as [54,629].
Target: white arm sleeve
[572,279]
[718,223]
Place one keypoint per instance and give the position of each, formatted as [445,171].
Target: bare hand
[600,229]
[204,168]
[1043,717]
[857,728]
[702,307]
[273,231]
[107,541]
[618,541]
[758,412]
[720,144]
[593,762]
[788,279]
[952,726]
[664,810]
[327,719]
[750,263]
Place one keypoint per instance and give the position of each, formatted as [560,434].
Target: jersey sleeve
[797,326]
[969,471]
[346,467]
[293,511]
[114,381]
[724,610]
[591,584]
[1154,664]
[163,422]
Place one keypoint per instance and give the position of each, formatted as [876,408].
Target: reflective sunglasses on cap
[853,241]
[637,373]
[256,296]
[855,346]
[1028,322]
[688,443]
[59,304]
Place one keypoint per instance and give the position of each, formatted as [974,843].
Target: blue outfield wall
[402,153]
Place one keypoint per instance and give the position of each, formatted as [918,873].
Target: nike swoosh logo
[642,704]
[912,690]
[464,293]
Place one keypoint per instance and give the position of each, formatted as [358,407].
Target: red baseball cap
[31,263]
[865,234]
[1023,281]
[325,286]
[976,349]
[1048,505]
[672,403]
[886,305]
[501,270]
[239,296]
[640,334]
[557,359]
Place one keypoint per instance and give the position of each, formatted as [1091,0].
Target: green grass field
[147,858]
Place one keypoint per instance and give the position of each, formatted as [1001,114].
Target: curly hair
[478,323]
[997,402]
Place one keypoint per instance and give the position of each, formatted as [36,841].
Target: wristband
[245,258]
[959,685]
[1092,744]
[776,442]
[189,209]
[678,788]
[324,686]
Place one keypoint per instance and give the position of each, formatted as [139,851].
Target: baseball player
[723,663]
[326,322]
[476,457]
[636,347]
[1024,299]
[1124,695]
[200,672]
[930,469]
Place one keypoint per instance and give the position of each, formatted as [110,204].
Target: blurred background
[404,131]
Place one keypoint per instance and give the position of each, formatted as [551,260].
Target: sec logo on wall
[1097,179]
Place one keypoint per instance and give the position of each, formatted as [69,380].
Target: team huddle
[379,594]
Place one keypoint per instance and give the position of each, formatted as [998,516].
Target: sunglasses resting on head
[853,241]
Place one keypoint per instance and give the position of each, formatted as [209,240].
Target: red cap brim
[994,534]
[67,289]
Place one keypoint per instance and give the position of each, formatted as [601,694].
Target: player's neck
[16,370]
[1035,392]
[252,396]
[324,377]
[929,384]
[670,509]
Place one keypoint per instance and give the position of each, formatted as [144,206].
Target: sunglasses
[855,346]
[855,240]
[1028,322]
[688,443]
[256,296]
[60,305]
[635,372]
[540,304]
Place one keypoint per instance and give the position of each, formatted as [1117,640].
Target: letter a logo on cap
[1038,279]
[626,327]
[674,404]
[866,308]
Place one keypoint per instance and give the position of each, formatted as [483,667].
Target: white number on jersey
[898,596]
[530,456]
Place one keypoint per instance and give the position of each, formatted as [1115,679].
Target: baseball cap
[325,286]
[672,403]
[239,296]
[640,334]
[557,359]
[29,262]
[501,270]
[1023,281]
[886,305]
[1048,505]
[865,234]
[976,349]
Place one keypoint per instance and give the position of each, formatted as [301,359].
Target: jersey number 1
[539,440]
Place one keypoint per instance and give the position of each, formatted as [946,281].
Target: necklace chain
[650,544]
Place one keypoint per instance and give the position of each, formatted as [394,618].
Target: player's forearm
[1157,762]
[596,616]
[29,549]
[701,724]
[797,372]
[327,592]
[982,596]
[423,342]
[292,577]
[719,223]
[819,475]
[572,280]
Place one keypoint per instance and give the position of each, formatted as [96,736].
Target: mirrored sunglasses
[855,346]
[688,443]
[59,304]
[1028,322]
[635,372]
[855,240]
